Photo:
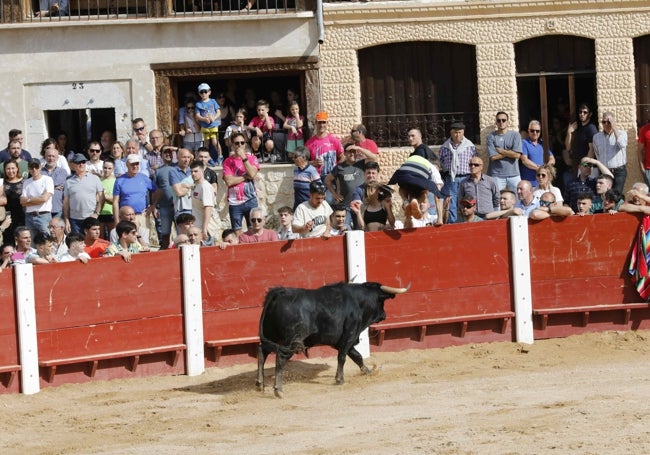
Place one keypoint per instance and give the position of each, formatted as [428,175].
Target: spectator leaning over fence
[75,249]
[549,207]
[584,203]
[455,157]
[504,150]
[527,201]
[44,253]
[610,147]
[127,244]
[127,213]
[23,240]
[338,226]
[229,236]
[6,251]
[637,200]
[257,232]
[239,172]
[312,217]
[94,245]
[83,196]
[37,199]
[481,187]
[468,210]
[507,208]
[286,219]
[612,201]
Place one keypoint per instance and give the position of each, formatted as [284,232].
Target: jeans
[237,212]
[620,174]
[510,182]
[76,226]
[451,187]
[38,223]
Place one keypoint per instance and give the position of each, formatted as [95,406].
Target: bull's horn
[391,290]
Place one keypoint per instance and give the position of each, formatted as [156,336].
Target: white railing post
[521,280]
[192,309]
[27,339]
[355,245]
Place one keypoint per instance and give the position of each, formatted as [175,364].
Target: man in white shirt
[37,199]
[610,149]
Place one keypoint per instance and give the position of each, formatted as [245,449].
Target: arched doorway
[554,75]
[642,78]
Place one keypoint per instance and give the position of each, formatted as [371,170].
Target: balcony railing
[16,11]
[391,130]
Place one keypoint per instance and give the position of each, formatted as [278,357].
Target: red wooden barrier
[579,275]
[235,281]
[460,284]
[9,362]
[107,317]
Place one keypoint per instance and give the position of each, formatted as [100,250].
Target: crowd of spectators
[123,199]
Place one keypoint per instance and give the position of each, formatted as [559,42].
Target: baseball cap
[34,163]
[79,158]
[204,86]
[133,158]
[468,201]
[322,116]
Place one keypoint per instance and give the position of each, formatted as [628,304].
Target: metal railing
[391,130]
[17,11]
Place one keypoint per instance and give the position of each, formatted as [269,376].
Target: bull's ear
[391,290]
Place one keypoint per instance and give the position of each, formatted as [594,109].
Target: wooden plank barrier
[235,281]
[460,280]
[101,317]
[9,362]
[579,275]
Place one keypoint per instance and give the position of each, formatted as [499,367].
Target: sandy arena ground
[580,395]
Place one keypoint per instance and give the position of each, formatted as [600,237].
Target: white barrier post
[192,309]
[355,245]
[27,340]
[521,280]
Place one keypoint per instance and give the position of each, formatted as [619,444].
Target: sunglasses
[502,120]
[139,129]
[203,91]
[239,142]
[586,165]
[533,131]
[256,220]
[474,164]
[606,122]
[583,112]
[465,206]
[94,151]
[545,203]
[542,175]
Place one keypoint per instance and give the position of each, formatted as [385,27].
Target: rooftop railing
[33,11]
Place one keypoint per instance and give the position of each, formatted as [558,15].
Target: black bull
[294,320]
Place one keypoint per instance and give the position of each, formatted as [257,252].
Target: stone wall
[493,27]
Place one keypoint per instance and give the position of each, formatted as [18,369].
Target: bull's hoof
[260,386]
[278,393]
[340,381]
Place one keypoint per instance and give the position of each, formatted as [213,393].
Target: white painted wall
[41,62]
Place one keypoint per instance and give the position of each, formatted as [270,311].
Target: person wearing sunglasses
[545,176]
[579,141]
[584,183]
[532,153]
[239,172]
[141,135]
[610,148]
[504,150]
[257,233]
[549,207]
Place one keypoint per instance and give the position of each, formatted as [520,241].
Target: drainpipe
[319,21]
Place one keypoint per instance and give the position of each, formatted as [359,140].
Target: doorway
[80,125]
